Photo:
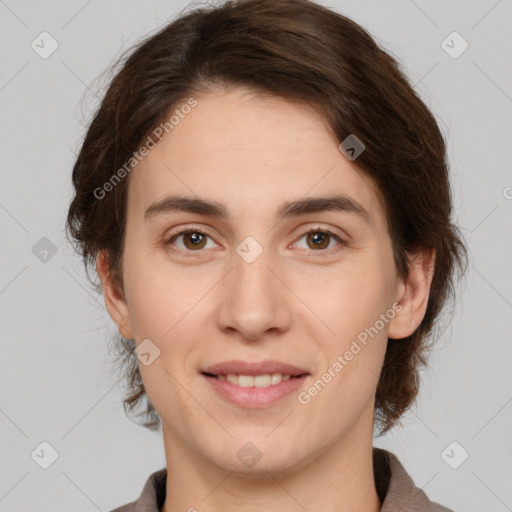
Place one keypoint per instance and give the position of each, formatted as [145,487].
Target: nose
[255,301]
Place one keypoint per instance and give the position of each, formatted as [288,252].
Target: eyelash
[169,240]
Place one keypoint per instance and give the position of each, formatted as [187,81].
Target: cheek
[168,306]
[357,307]
[154,299]
[350,359]
[348,301]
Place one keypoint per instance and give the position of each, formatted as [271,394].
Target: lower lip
[253,396]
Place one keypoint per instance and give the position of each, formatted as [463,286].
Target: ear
[413,294]
[114,296]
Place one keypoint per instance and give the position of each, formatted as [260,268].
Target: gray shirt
[394,487]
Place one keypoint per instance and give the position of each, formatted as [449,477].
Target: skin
[295,303]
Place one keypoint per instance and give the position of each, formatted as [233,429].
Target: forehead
[249,153]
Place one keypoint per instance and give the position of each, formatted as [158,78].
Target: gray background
[57,384]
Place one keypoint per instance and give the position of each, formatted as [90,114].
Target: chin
[258,457]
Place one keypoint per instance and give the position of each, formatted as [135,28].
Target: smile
[259,381]
[249,391]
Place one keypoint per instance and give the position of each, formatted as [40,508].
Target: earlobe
[114,298]
[413,294]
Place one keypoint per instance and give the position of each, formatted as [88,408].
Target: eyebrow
[340,203]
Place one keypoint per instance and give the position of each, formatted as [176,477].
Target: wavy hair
[302,52]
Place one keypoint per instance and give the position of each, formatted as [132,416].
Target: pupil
[319,239]
[195,238]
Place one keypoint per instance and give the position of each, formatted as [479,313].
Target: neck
[339,480]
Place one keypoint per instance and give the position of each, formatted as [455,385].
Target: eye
[193,240]
[318,239]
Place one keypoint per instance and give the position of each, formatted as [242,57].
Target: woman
[266,202]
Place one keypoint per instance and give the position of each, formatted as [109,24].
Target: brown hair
[299,51]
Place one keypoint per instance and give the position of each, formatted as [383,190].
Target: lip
[259,368]
[254,397]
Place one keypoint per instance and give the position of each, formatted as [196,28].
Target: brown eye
[318,240]
[193,240]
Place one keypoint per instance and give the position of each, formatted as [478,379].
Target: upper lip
[259,368]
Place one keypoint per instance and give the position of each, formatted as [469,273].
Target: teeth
[232,378]
[259,381]
[245,381]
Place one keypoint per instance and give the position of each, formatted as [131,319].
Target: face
[254,293]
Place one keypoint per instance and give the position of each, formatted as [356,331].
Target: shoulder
[151,498]
[396,488]
[129,507]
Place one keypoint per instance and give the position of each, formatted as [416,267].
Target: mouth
[254,384]
[264,380]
